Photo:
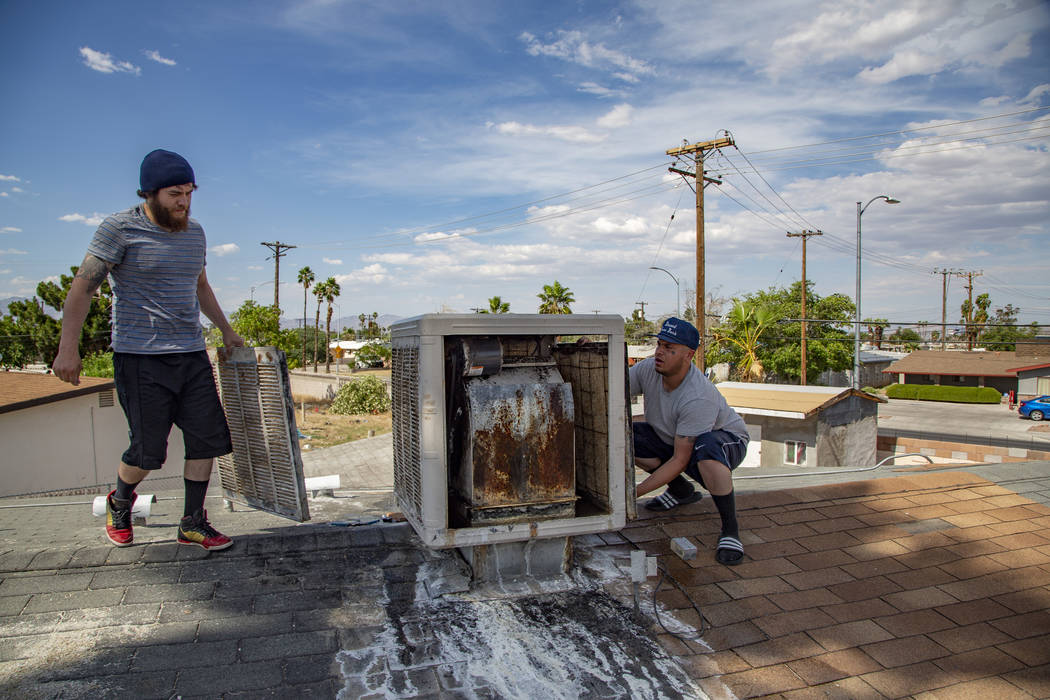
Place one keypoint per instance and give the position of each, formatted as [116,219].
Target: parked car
[1036,409]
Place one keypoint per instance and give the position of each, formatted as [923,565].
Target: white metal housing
[421,465]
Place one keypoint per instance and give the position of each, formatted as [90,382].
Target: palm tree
[306,278]
[320,290]
[498,306]
[331,291]
[746,323]
[555,299]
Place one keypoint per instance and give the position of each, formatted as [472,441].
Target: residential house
[60,437]
[806,426]
[991,368]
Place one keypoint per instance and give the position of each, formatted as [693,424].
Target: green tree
[1005,332]
[257,324]
[876,329]
[636,329]
[779,349]
[555,299]
[974,316]
[738,339]
[29,334]
[320,290]
[306,278]
[907,337]
[497,306]
[331,291]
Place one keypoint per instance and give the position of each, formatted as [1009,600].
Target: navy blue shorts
[719,445]
[158,391]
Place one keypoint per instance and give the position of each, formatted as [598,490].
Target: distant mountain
[384,320]
[7,300]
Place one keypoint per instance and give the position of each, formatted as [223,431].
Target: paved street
[974,423]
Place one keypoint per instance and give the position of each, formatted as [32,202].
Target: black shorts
[158,391]
[719,445]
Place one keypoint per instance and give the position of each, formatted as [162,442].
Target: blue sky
[430,155]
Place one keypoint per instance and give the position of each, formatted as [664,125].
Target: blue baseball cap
[675,330]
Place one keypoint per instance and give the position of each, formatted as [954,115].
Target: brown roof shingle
[992,363]
[20,390]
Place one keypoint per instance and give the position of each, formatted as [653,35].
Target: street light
[856,335]
[677,289]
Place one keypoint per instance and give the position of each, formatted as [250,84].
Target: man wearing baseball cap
[155,256]
[689,428]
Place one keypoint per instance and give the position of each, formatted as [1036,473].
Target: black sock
[727,509]
[679,487]
[124,490]
[195,491]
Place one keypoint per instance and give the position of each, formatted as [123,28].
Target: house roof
[785,400]
[997,363]
[20,390]
[1043,365]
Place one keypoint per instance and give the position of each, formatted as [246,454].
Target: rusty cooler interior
[510,427]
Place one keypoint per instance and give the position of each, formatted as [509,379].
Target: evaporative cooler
[510,427]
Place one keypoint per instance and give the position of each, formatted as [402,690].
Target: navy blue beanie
[162,168]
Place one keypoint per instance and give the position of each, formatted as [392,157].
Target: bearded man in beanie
[689,428]
[155,255]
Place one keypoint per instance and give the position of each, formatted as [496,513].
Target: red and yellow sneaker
[195,529]
[118,519]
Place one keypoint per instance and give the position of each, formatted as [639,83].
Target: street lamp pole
[677,291]
[856,334]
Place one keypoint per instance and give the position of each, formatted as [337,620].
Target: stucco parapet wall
[20,390]
[974,453]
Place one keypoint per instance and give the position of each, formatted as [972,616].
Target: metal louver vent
[405,394]
[105,399]
[265,470]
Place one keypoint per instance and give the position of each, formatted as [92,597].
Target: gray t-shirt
[695,407]
[154,277]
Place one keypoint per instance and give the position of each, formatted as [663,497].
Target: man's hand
[230,339]
[67,366]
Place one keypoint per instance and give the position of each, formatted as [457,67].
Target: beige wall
[69,444]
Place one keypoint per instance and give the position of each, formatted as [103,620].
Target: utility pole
[699,151]
[641,304]
[804,235]
[969,307]
[277,247]
[945,273]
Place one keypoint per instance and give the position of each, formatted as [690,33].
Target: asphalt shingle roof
[20,390]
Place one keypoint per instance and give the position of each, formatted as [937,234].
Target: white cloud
[10,229]
[332,261]
[13,251]
[4,194]
[224,249]
[1033,97]
[255,267]
[155,56]
[92,220]
[9,178]
[104,62]
[573,47]
[436,236]
[573,134]
[599,90]
[902,65]
[620,115]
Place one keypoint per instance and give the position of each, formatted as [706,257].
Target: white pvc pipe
[141,509]
[318,483]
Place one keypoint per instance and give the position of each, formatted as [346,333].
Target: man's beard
[168,219]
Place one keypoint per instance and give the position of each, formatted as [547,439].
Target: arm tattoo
[93,271]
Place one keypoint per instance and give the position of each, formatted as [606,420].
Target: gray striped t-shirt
[154,282]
